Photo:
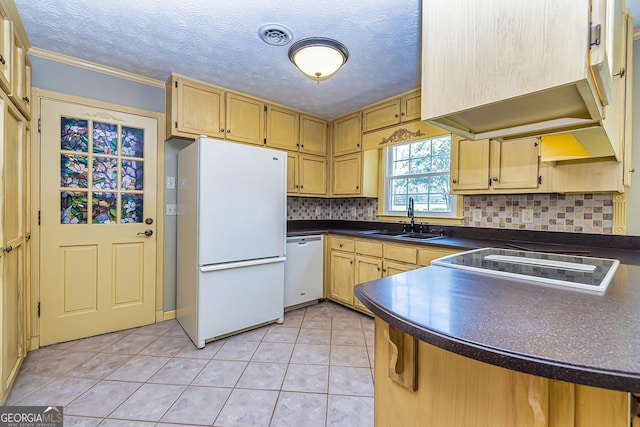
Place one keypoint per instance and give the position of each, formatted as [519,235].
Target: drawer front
[369,248]
[425,256]
[342,244]
[401,253]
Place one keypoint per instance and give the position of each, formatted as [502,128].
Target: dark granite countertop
[564,334]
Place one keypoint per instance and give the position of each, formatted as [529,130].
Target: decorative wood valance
[400,134]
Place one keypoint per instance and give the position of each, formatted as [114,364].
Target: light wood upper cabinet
[488,166]
[194,109]
[347,134]
[20,78]
[293,183]
[282,128]
[6,46]
[313,135]
[356,174]
[392,112]
[245,119]
[313,175]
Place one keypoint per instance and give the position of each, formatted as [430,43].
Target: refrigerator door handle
[241,264]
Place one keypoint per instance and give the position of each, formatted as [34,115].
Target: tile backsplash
[578,213]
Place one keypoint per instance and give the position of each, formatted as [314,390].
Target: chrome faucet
[411,214]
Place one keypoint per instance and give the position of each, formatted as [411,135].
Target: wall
[633,197]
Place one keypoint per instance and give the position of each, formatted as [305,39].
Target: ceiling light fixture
[318,58]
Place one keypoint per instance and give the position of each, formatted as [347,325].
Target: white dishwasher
[303,270]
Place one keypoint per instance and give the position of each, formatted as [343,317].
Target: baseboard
[168,315]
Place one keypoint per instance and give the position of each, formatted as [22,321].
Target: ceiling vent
[275,34]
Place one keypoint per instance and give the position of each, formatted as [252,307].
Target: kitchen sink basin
[419,236]
[385,233]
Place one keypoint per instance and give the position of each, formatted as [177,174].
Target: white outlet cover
[318,210]
[354,211]
[477,215]
[527,216]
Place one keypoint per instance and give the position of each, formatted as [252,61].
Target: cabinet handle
[384,270]
[619,73]
[455,181]
[495,179]
[2,61]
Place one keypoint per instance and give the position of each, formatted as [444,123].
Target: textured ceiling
[216,41]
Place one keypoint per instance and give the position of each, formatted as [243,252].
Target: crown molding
[92,66]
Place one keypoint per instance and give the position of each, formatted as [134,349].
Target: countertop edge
[621,381]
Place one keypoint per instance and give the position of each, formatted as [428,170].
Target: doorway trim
[38,95]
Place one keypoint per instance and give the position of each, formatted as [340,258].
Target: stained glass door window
[101,172]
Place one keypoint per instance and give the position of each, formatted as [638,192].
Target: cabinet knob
[25,99]
[2,61]
[402,114]
[378,268]
[8,249]
[396,116]
[455,181]
[357,187]
[228,130]
[340,244]
[221,130]
[350,262]
[495,179]
[384,270]
[358,145]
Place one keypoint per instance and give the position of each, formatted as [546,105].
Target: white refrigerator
[231,234]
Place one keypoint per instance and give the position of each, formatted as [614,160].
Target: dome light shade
[318,58]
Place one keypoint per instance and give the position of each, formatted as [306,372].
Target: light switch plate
[171,210]
[318,211]
[171,183]
[369,212]
[476,215]
[527,216]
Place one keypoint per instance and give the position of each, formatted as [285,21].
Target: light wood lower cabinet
[367,269]
[452,390]
[342,277]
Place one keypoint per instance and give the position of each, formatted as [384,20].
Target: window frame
[387,177]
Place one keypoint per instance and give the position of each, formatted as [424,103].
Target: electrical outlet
[370,212]
[318,211]
[354,211]
[171,210]
[527,216]
[171,183]
[476,215]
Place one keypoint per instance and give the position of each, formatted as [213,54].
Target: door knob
[148,232]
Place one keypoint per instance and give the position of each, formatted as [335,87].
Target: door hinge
[489,182]
[38,308]
[265,141]
[265,108]
[176,124]
[540,180]
[38,217]
[39,124]
[176,84]
[594,36]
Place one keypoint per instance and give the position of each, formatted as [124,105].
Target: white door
[242,206]
[98,210]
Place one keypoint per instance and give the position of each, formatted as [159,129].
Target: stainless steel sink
[419,236]
[385,233]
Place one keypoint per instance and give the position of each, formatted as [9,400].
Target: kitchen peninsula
[457,348]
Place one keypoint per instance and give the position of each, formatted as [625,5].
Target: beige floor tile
[349,355]
[300,409]
[131,344]
[220,373]
[59,392]
[73,421]
[344,323]
[273,352]
[313,354]
[279,333]
[148,403]
[125,423]
[248,408]
[96,343]
[263,376]
[350,381]
[165,346]
[26,384]
[347,337]
[237,350]
[155,329]
[138,368]
[192,352]
[179,371]
[197,405]
[306,378]
[100,366]
[349,411]
[253,335]
[55,363]
[320,309]
[314,336]
[317,322]
[110,394]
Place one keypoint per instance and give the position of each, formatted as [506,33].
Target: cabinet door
[313,175]
[313,135]
[367,269]
[20,78]
[245,119]
[411,106]
[342,277]
[347,173]
[282,128]
[12,296]
[381,115]
[389,268]
[196,109]
[514,164]
[6,45]
[469,164]
[293,186]
[347,135]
